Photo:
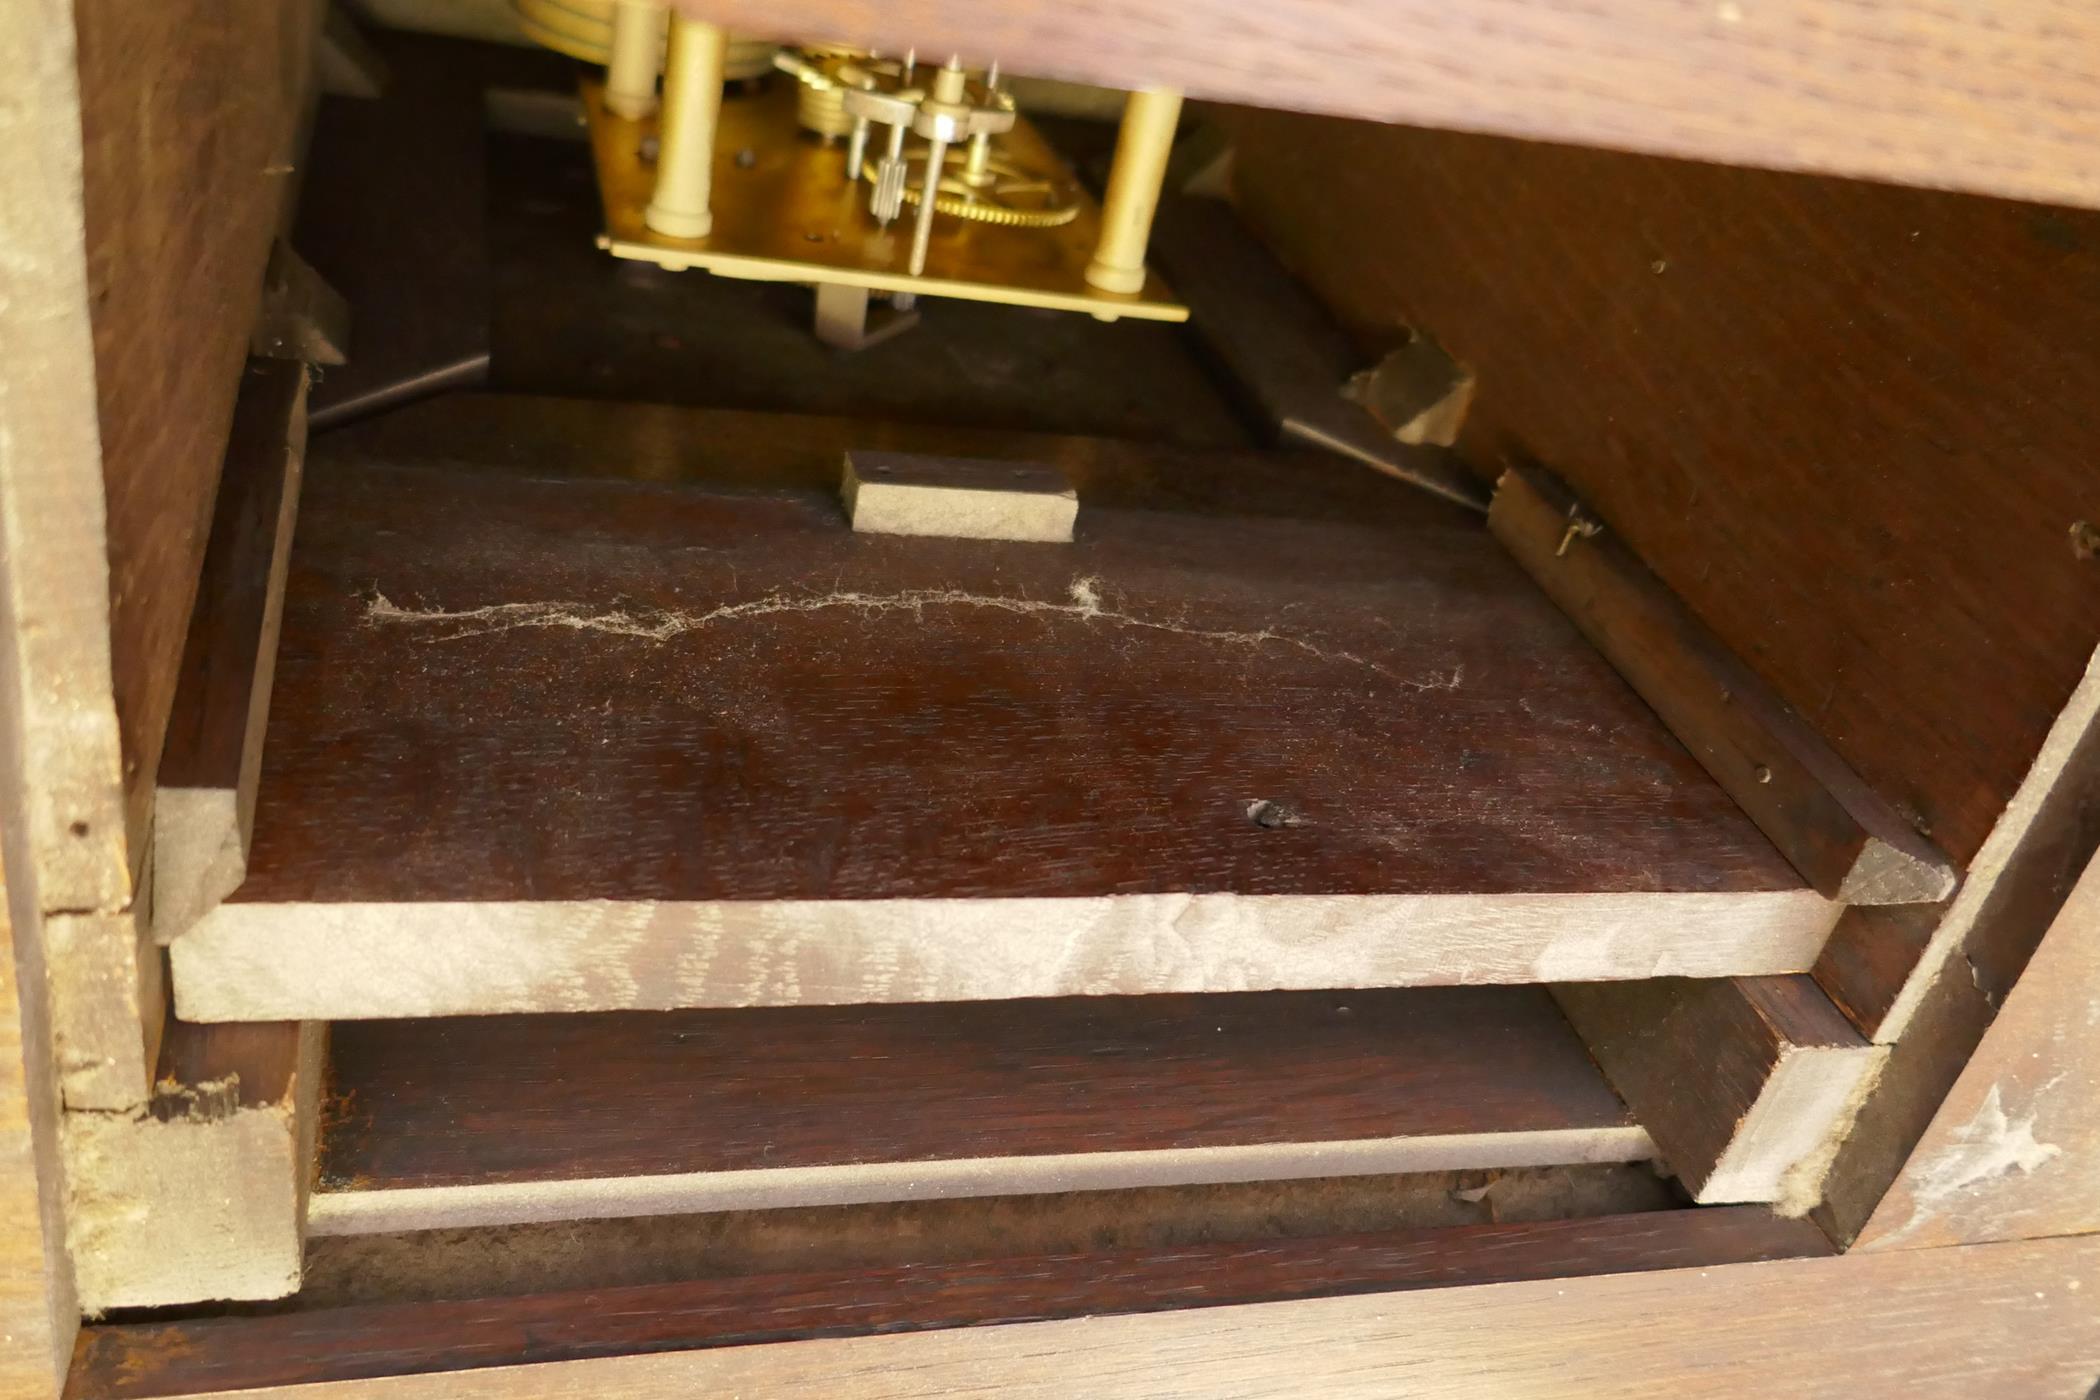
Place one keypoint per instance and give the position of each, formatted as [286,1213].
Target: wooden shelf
[221,1355]
[499,1120]
[566,744]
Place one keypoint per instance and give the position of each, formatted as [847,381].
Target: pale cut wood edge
[108,1005]
[1676,1334]
[201,1195]
[2014,1151]
[67,796]
[38,1315]
[202,830]
[2032,858]
[1742,1082]
[888,493]
[389,1211]
[278,962]
[1846,842]
[1946,97]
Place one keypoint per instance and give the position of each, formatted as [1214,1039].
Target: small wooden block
[200,1195]
[1745,1083]
[901,493]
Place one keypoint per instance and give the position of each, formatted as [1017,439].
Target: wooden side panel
[2014,1152]
[188,112]
[1845,423]
[1837,832]
[1944,95]
[2026,1327]
[38,1315]
[130,1362]
[1744,1084]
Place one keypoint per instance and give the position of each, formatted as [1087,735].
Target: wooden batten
[315,1346]
[205,812]
[1843,838]
[1871,956]
[488,1121]
[1746,1084]
[201,1194]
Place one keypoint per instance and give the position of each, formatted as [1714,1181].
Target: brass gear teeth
[977,211]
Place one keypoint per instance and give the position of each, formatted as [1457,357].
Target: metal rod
[637,52]
[856,149]
[922,234]
[686,158]
[1142,149]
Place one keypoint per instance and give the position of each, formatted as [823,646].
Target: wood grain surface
[1939,95]
[38,1311]
[1667,1335]
[1871,954]
[2014,1151]
[1843,838]
[1839,420]
[418,287]
[2036,854]
[64,791]
[306,1347]
[1285,351]
[815,1105]
[1746,1084]
[189,116]
[687,731]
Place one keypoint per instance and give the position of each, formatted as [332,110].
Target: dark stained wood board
[130,1361]
[394,215]
[1845,423]
[473,1105]
[1941,95]
[529,695]
[1843,838]
[1743,1081]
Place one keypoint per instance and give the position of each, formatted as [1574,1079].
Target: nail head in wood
[1844,838]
